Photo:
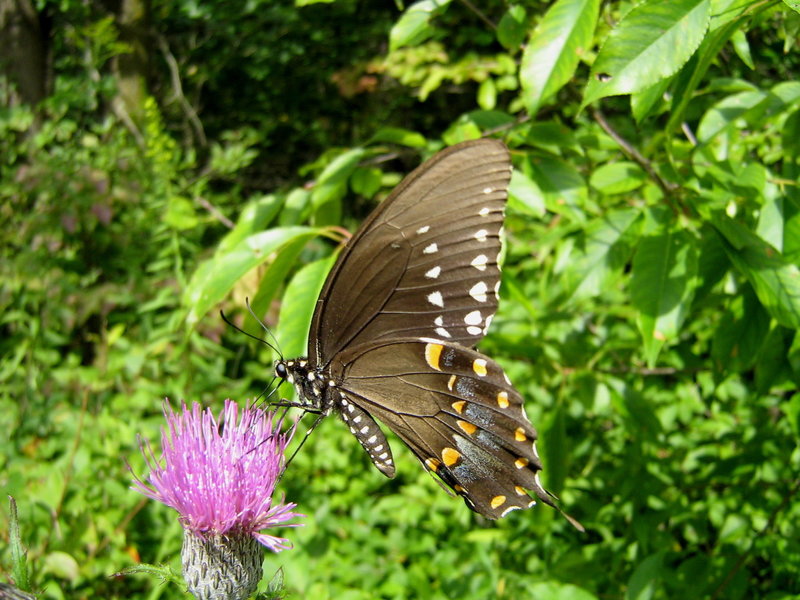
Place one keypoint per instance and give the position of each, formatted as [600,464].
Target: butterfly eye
[280,370]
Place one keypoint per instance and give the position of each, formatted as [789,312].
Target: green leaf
[604,249]
[255,216]
[298,304]
[644,102]
[555,48]
[740,334]
[332,182]
[752,107]
[689,78]
[296,207]
[652,42]
[402,137]
[775,280]
[366,181]
[512,27]
[793,4]
[414,26]
[617,178]
[487,94]
[555,450]
[742,48]
[524,195]
[216,277]
[645,579]
[662,286]
[181,214]
[272,277]
[563,186]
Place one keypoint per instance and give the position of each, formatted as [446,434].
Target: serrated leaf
[298,304]
[662,286]
[652,42]
[555,48]
[414,25]
[215,278]
[775,280]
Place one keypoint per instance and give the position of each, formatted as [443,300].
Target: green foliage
[650,300]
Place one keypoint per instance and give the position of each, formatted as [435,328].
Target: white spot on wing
[433,273]
[438,321]
[479,262]
[488,322]
[478,291]
[473,318]
[480,235]
[484,211]
[443,332]
[430,249]
[423,229]
[487,190]
[436,299]
[474,330]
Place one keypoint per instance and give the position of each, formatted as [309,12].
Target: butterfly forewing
[425,262]
[455,408]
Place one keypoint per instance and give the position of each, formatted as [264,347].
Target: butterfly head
[309,383]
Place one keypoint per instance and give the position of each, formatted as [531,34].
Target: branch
[175,76]
[633,153]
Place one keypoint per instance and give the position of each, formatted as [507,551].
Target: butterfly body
[393,332]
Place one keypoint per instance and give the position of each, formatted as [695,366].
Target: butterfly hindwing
[456,410]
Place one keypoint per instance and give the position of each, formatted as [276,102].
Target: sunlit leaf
[652,42]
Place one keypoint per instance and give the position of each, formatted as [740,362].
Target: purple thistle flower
[221,481]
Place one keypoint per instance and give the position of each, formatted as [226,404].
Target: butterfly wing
[456,410]
[424,264]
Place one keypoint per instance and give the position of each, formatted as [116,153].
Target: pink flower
[221,477]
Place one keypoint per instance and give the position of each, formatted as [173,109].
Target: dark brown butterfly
[395,324]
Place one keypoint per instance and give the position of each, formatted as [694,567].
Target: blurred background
[165,160]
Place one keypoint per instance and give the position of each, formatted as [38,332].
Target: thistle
[219,475]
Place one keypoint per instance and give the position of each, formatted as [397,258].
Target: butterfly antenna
[266,329]
[250,335]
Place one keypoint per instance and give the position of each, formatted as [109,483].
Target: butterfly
[393,334]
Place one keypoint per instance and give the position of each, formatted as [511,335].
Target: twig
[633,153]
[480,15]
[175,77]
[215,212]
